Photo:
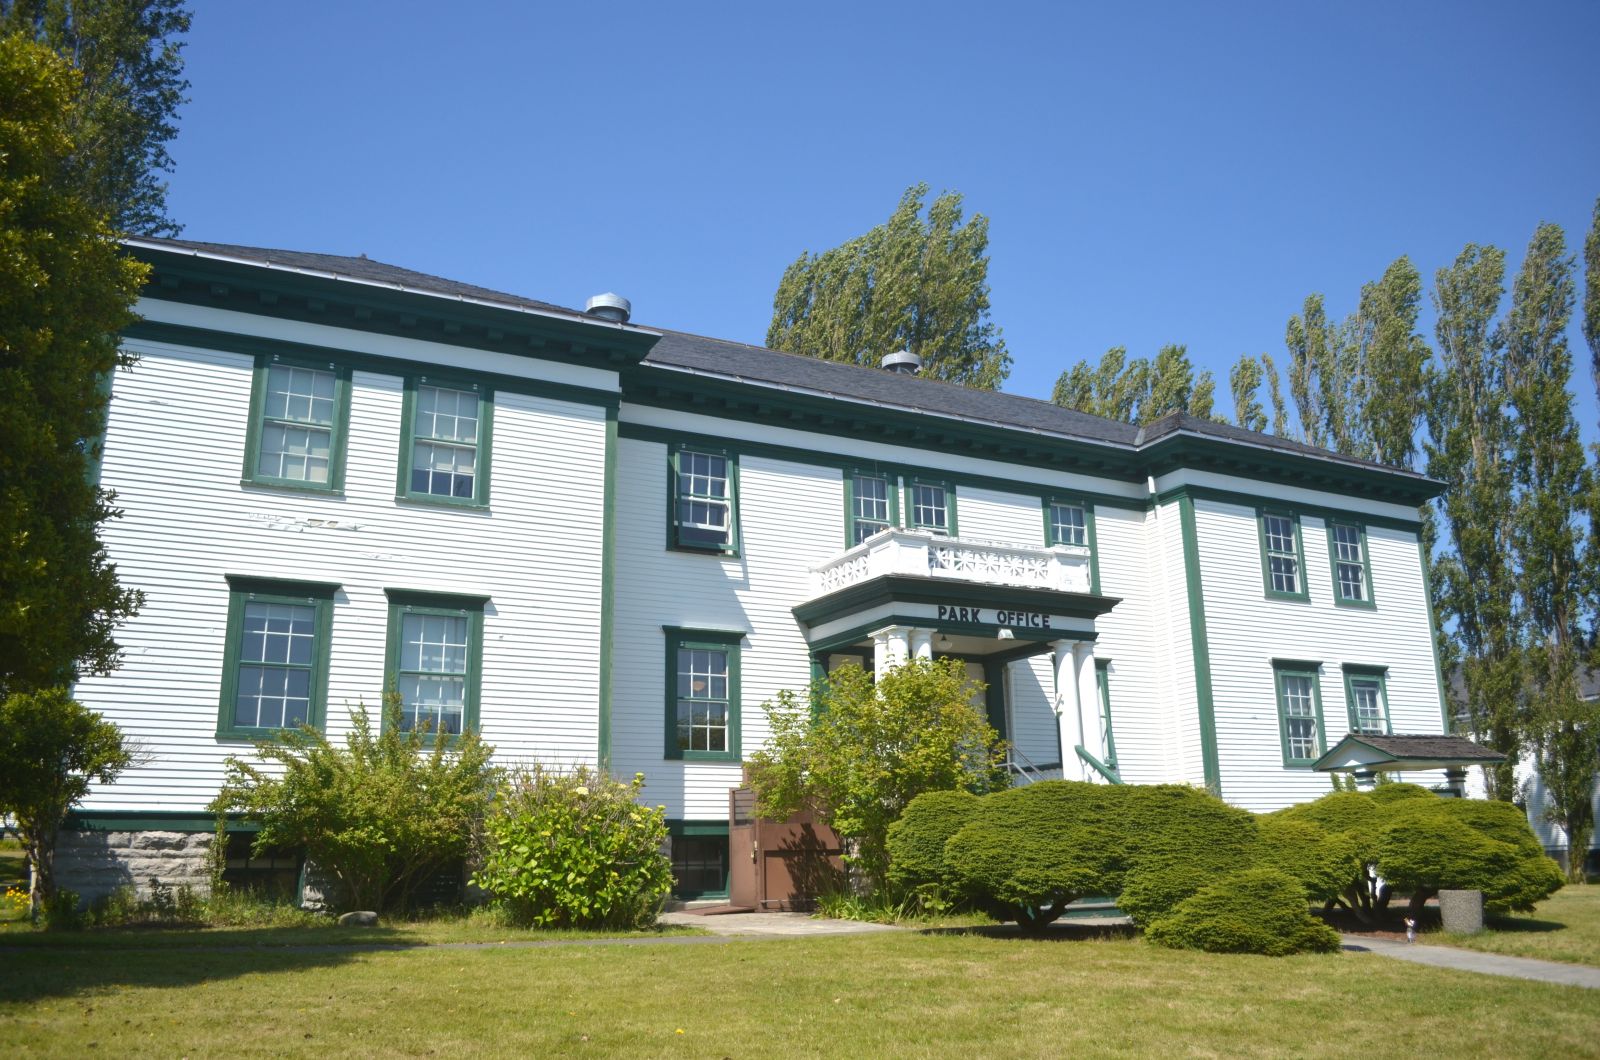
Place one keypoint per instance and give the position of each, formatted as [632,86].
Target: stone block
[1461,911]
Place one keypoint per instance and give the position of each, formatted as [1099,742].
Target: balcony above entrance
[1063,568]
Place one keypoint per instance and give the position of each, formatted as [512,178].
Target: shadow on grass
[1523,924]
[33,971]
[1060,931]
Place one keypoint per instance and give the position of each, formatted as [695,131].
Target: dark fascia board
[261,290]
[912,589]
[861,420]
[1332,475]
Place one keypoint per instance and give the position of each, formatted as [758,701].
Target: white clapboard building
[598,542]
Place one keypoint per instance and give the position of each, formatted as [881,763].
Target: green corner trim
[608,586]
[1200,646]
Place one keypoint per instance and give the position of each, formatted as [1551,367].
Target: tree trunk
[1419,899]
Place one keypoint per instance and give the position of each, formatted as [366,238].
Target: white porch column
[922,644]
[892,646]
[1069,717]
[1088,706]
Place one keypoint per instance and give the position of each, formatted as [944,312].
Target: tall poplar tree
[1394,363]
[1137,391]
[1470,450]
[1310,359]
[1280,411]
[1244,379]
[909,284]
[1552,480]
[1591,296]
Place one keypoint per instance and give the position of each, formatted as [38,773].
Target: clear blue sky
[1153,173]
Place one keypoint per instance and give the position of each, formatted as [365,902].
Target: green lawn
[901,994]
[418,933]
[1565,927]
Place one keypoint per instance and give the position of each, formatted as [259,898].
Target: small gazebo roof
[1359,752]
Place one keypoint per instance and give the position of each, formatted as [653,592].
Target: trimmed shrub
[1487,846]
[1179,839]
[1256,911]
[1387,794]
[574,850]
[1027,853]
[917,840]
[1324,863]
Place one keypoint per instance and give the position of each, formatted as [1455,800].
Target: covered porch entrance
[1021,620]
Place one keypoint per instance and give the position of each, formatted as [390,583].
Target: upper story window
[1352,569]
[930,506]
[1282,564]
[275,660]
[870,505]
[445,444]
[299,415]
[703,500]
[1069,524]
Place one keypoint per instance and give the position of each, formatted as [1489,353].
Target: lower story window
[1299,714]
[275,661]
[435,655]
[703,694]
[700,860]
[1368,701]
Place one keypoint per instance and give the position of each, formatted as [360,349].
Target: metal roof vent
[903,363]
[609,306]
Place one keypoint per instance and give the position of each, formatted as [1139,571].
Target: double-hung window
[275,660]
[703,694]
[1367,696]
[1068,524]
[1352,570]
[931,506]
[1283,566]
[299,413]
[870,503]
[445,443]
[703,515]
[1299,713]
[435,659]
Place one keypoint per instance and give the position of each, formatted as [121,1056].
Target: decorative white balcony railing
[1061,567]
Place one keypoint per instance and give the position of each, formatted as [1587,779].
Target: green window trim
[1286,675]
[338,425]
[724,641]
[1102,680]
[1369,602]
[708,833]
[912,484]
[245,590]
[483,446]
[1379,675]
[1049,503]
[676,526]
[1302,590]
[891,497]
[405,602]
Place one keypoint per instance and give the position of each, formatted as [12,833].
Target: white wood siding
[174,453]
[987,515]
[789,518]
[1247,631]
[1132,637]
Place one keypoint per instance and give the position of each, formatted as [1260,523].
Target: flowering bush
[574,850]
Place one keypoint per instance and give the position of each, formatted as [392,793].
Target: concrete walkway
[774,925]
[1474,961]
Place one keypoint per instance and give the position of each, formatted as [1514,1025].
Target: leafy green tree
[868,748]
[381,814]
[65,292]
[1136,391]
[1591,295]
[1280,412]
[51,749]
[129,57]
[1244,379]
[1394,363]
[1429,845]
[1311,360]
[1470,449]
[908,284]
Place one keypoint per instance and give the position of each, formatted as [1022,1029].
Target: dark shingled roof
[1433,748]
[680,351]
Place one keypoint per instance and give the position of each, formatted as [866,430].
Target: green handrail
[1098,766]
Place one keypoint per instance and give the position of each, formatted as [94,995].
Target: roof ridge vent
[903,362]
[609,306]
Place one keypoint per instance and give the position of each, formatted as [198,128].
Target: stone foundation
[96,863]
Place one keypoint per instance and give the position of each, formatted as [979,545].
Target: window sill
[705,550]
[1356,605]
[292,487]
[237,735]
[1297,598]
[422,500]
[727,757]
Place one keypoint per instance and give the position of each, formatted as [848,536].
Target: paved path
[774,924]
[1474,961]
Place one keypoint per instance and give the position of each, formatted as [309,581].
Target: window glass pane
[870,502]
[928,507]
[301,395]
[447,415]
[434,643]
[298,454]
[1367,695]
[702,721]
[1283,558]
[1068,525]
[1300,715]
[443,470]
